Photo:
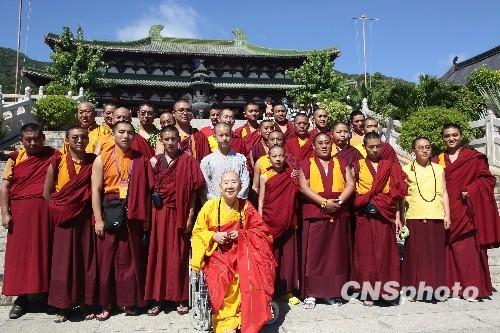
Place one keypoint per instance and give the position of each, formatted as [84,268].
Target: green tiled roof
[172,82]
[155,43]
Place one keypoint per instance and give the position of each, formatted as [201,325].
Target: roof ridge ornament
[240,37]
[154,32]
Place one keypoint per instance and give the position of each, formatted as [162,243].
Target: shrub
[56,112]
[55,88]
[428,122]
[337,111]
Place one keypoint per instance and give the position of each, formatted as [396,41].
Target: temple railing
[489,144]
[16,111]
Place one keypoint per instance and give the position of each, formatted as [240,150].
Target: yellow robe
[229,315]
[95,136]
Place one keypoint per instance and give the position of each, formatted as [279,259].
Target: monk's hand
[6,220]
[145,226]
[447,222]
[220,237]
[189,225]
[294,173]
[332,205]
[233,235]
[398,226]
[465,195]
[99,228]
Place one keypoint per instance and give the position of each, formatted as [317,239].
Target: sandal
[368,303]
[182,309]
[334,301]
[61,317]
[291,299]
[154,310]
[309,303]
[104,315]
[16,311]
[130,311]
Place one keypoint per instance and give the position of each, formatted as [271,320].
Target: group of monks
[117,217]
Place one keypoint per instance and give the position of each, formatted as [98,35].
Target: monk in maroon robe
[193,142]
[347,154]
[326,189]
[380,187]
[73,279]
[260,148]
[281,123]
[301,144]
[250,131]
[278,207]
[386,151]
[177,179]
[320,121]
[125,177]
[25,214]
[138,144]
[475,224]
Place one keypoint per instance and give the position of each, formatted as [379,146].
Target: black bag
[371,210]
[157,200]
[115,213]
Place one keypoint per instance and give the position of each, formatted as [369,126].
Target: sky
[410,37]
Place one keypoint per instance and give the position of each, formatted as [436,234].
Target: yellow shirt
[416,206]
[8,170]
[356,139]
[365,180]
[212,142]
[361,149]
[63,173]
[229,315]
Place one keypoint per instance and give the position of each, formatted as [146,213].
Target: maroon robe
[73,279]
[290,132]
[349,156]
[201,146]
[388,153]
[142,145]
[376,253]
[316,131]
[251,257]
[251,138]
[167,272]
[324,275]
[258,150]
[293,147]
[424,254]
[279,212]
[475,224]
[121,257]
[29,241]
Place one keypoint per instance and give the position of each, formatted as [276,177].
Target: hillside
[8,69]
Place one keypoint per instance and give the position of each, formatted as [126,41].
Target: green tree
[482,89]
[56,112]
[428,122]
[75,64]
[337,111]
[316,76]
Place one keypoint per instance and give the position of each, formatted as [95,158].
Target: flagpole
[18,43]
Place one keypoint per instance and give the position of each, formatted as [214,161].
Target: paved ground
[451,316]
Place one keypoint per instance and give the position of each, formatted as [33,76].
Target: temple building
[160,70]
[460,70]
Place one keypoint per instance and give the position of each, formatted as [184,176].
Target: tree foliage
[75,64]
[316,76]
[56,111]
[337,111]
[428,122]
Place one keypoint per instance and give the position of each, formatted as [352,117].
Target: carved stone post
[490,136]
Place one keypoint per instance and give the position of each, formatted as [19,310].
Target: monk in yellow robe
[233,247]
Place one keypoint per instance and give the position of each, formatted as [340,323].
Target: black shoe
[16,311]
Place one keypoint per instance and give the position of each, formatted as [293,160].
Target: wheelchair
[199,302]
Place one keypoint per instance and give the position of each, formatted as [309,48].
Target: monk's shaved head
[221,126]
[321,136]
[122,114]
[300,116]
[276,148]
[229,175]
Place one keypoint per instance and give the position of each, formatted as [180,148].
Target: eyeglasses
[78,138]
[422,148]
[185,111]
